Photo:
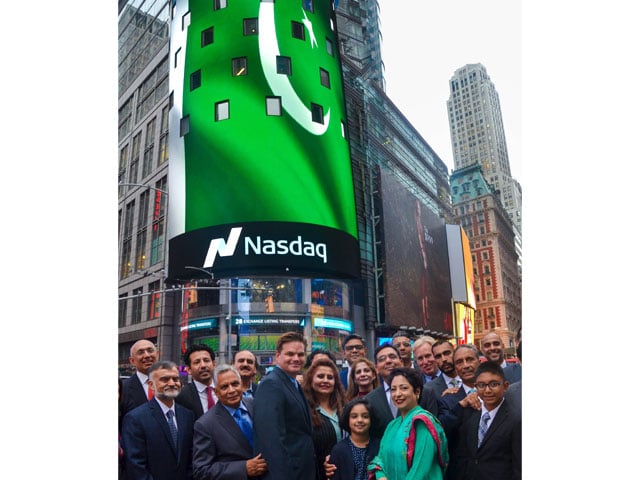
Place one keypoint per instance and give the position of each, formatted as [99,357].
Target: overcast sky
[426,41]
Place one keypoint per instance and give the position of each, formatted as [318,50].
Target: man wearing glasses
[352,348]
[403,344]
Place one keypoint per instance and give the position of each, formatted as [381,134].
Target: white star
[309,26]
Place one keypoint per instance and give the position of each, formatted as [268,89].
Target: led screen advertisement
[417,284]
[260,176]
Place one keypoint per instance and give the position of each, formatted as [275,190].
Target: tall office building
[477,135]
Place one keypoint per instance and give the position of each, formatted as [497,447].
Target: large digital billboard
[260,176]
[417,286]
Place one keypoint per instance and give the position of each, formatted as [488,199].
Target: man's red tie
[210,401]
[149,390]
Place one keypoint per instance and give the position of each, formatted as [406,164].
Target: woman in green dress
[414,446]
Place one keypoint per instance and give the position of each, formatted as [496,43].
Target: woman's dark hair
[346,412]
[413,377]
[336,398]
[318,351]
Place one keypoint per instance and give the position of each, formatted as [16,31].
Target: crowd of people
[422,409]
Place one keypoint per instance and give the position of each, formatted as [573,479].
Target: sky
[424,42]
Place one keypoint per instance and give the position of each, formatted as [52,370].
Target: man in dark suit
[353,347]
[490,439]
[442,352]
[135,389]
[157,436]
[425,361]
[282,427]
[386,358]
[221,449]
[493,350]
[245,362]
[198,396]
[466,360]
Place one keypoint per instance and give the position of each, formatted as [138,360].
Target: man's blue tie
[245,425]
[172,428]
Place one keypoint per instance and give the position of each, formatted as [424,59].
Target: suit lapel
[156,411]
[227,422]
[499,419]
[297,393]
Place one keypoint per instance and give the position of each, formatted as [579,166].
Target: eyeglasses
[491,385]
[349,348]
[404,344]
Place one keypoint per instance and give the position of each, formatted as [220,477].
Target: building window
[149,141]
[307,5]
[136,306]
[122,168]
[222,110]
[163,145]
[206,38]
[141,249]
[250,26]
[274,106]
[329,45]
[324,78]
[122,310]
[155,300]
[184,126]
[283,65]
[239,66]
[125,254]
[317,113]
[485,256]
[135,158]
[157,225]
[297,30]
[195,80]
[218,4]
[186,20]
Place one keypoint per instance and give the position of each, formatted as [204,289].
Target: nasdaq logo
[225,248]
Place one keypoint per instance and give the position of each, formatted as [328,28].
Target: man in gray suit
[223,437]
[282,425]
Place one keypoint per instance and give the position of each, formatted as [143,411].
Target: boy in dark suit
[490,439]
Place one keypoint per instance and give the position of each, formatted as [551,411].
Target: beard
[168,393]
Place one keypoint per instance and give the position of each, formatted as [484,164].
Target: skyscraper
[477,135]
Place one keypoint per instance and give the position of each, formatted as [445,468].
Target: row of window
[273,107]
[239,68]
[306,4]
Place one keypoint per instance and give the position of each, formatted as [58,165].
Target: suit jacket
[220,449]
[513,372]
[148,446]
[282,429]
[382,414]
[190,398]
[438,386]
[133,394]
[500,455]
[449,414]
[514,396]
[344,377]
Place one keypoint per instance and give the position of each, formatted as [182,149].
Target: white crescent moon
[280,85]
